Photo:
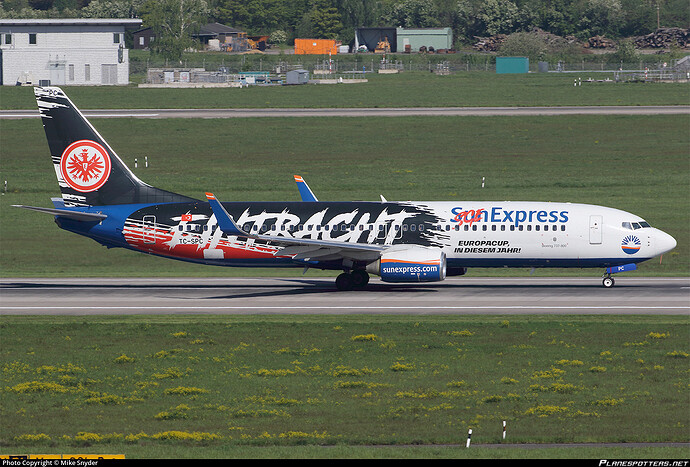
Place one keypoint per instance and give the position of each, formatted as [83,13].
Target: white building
[64,51]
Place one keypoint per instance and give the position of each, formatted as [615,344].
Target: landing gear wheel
[360,278]
[344,282]
[608,282]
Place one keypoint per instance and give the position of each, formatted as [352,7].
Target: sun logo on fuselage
[631,244]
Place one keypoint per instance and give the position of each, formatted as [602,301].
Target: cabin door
[595,229]
[149,229]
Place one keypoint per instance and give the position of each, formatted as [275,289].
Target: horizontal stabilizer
[76,215]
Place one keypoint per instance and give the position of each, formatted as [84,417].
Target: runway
[369,112]
[305,295]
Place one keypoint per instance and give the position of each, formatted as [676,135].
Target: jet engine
[412,264]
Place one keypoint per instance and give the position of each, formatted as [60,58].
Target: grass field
[416,89]
[636,163]
[138,385]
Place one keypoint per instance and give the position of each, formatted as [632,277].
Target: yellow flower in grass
[364,337]
[32,438]
[186,436]
[185,391]
[398,366]
[38,386]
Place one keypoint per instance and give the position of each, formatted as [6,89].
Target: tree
[173,22]
[497,16]
[412,14]
[601,17]
[325,20]
[113,9]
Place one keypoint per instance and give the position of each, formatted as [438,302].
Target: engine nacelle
[413,264]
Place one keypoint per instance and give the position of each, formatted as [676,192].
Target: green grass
[636,163]
[172,451]
[414,89]
[231,382]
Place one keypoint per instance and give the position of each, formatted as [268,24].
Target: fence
[207,68]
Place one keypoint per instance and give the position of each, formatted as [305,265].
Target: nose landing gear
[608,281]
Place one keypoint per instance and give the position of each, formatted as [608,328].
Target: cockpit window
[635,225]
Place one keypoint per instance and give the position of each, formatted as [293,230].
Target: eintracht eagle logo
[85,166]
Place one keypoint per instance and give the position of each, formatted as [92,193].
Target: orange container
[315,47]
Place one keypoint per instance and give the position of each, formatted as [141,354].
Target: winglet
[304,190]
[225,221]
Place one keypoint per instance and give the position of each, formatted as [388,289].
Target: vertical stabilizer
[89,172]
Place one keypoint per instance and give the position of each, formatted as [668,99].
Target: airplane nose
[664,242]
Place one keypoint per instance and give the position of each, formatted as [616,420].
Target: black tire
[608,282]
[344,282]
[360,278]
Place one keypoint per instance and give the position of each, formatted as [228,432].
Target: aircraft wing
[301,248]
[304,190]
[76,215]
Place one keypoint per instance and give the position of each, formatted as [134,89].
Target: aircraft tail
[89,172]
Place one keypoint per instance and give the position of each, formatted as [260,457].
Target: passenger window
[503,228]
[529,228]
[563,228]
[536,227]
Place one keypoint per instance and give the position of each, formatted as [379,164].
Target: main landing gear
[356,279]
